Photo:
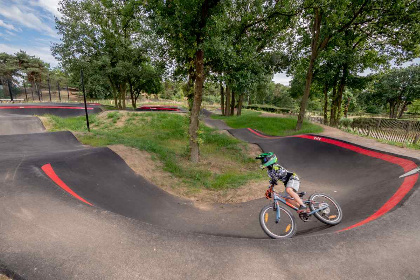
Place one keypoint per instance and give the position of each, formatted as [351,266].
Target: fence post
[10,90]
[84,98]
[26,94]
[416,139]
[49,86]
[59,94]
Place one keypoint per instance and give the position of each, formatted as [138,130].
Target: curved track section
[17,124]
[69,212]
[57,109]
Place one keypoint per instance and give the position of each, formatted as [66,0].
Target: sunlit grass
[269,125]
[224,161]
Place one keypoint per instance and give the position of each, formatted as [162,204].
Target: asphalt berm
[58,109]
[118,225]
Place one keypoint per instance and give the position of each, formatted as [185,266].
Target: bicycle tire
[287,223]
[332,215]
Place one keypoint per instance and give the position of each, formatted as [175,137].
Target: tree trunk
[227,106]
[404,105]
[133,98]
[391,108]
[123,94]
[309,74]
[33,89]
[346,108]
[341,88]
[190,87]
[232,105]
[241,99]
[333,105]
[198,95]
[114,91]
[222,99]
[326,103]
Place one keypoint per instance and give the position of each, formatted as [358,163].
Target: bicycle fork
[277,208]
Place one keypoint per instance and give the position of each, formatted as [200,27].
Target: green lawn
[224,160]
[268,125]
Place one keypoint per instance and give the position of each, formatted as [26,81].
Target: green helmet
[267,159]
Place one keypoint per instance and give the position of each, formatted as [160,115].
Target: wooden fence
[403,131]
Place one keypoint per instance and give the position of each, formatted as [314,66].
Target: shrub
[345,122]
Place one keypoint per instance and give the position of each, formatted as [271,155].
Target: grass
[269,125]
[224,160]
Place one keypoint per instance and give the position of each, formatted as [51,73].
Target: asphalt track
[58,109]
[71,212]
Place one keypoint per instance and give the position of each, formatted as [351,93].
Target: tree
[184,25]
[8,69]
[104,38]
[398,87]
[382,22]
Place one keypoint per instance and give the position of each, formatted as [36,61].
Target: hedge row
[268,108]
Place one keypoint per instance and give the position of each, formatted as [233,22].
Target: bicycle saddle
[301,194]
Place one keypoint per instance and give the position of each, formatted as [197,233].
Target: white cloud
[7,26]
[48,5]
[43,52]
[10,33]
[26,17]
[281,78]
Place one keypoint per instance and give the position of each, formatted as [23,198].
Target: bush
[373,109]
[345,122]
[268,108]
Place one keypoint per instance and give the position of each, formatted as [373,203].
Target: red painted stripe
[269,137]
[261,135]
[47,168]
[402,191]
[406,164]
[405,187]
[44,107]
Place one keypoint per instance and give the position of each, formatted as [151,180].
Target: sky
[30,26]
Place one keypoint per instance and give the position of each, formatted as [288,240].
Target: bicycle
[283,225]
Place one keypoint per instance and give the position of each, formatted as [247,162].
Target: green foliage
[345,122]
[397,87]
[268,108]
[414,108]
[110,42]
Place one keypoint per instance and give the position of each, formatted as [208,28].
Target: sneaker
[303,209]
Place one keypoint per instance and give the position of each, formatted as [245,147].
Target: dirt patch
[144,165]
[4,277]
[46,122]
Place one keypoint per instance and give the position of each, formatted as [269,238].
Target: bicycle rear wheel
[331,214]
[285,228]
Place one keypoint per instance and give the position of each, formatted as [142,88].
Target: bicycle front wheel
[284,228]
[331,213]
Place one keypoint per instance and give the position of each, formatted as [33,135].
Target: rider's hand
[268,194]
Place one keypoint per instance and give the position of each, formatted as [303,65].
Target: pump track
[73,212]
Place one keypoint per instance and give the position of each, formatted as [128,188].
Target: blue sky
[30,26]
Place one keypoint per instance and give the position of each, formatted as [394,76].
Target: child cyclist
[277,172]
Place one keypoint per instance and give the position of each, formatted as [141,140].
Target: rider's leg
[293,194]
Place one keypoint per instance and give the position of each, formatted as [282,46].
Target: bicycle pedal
[304,217]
